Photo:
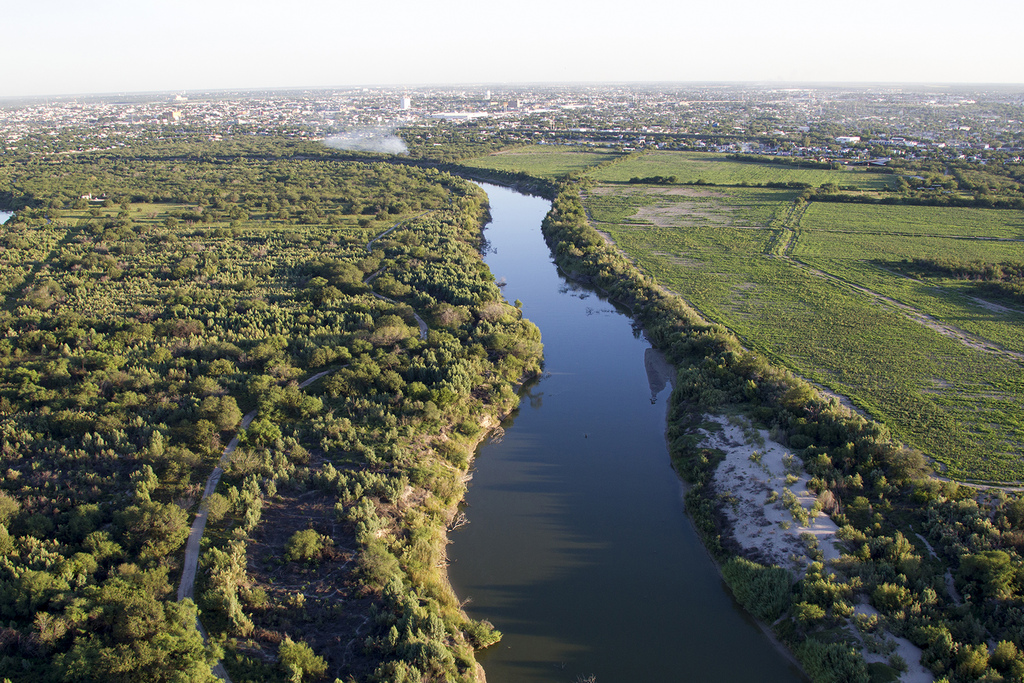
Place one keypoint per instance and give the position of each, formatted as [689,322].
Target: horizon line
[766,84]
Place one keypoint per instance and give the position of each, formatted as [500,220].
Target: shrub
[763,591]
[300,661]
[216,506]
[306,546]
[832,662]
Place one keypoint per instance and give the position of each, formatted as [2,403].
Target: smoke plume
[368,140]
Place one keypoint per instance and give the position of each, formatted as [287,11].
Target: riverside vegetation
[153,293]
[942,562]
[144,322]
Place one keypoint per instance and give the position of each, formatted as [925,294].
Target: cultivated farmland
[717,169]
[810,286]
[543,161]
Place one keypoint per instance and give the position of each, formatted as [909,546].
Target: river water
[578,547]
[5,216]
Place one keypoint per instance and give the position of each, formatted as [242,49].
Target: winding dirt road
[186,588]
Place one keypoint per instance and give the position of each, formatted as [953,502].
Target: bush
[832,662]
[306,546]
[216,506]
[763,591]
[300,661]
[890,598]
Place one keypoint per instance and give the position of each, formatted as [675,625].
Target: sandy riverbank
[768,508]
[763,485]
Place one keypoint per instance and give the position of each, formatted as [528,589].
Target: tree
[223,411]
[216,507]
[306,546]
[990,573]
[155,529]
[300,661]
[136,637]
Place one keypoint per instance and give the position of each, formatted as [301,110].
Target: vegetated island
[827,528]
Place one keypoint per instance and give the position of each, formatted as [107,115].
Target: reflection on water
[578,548]
[659,372]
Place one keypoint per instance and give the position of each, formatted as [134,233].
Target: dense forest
[152,295]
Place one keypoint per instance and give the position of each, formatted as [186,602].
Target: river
[578,547]
[5,216]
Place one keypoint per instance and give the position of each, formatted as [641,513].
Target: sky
[53,47]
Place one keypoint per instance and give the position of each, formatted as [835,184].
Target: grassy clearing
[716,169]
[693,206]
[542,160]
[820,243]
[952,301]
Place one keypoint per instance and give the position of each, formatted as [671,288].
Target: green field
[543,161]
[716,169]
[916,220]
[959,404]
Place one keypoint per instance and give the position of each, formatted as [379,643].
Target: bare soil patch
[754,484]
[683,192]
[319,603]
[684,214]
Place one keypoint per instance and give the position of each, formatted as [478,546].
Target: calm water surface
[578,547]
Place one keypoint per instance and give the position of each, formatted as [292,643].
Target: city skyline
[111,46]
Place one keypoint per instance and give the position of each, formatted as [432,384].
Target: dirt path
[195,536]
[966,338]
[186,588]
[424,330]
[396,226]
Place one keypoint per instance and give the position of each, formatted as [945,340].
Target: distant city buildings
[845,124]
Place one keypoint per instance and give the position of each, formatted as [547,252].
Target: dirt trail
[186,588]
[396,226]
[966,338]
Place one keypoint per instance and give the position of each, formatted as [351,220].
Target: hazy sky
[85,46]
